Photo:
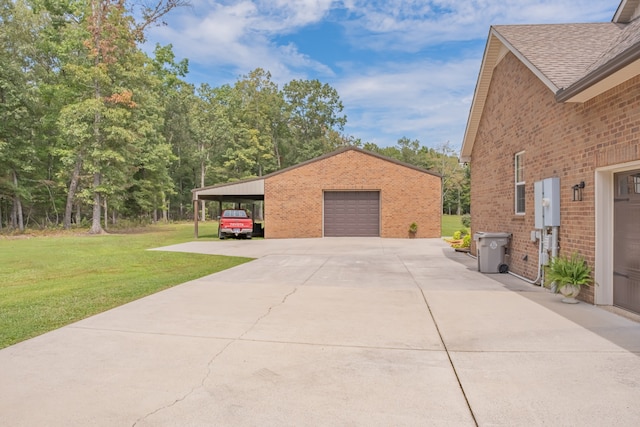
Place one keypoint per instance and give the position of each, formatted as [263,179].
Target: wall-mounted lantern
[577,191]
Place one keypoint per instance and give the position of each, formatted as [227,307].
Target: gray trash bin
[492,248]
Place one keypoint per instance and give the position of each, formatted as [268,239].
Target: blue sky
[401,68]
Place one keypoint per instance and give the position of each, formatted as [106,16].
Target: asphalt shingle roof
[564,53]
[627,38]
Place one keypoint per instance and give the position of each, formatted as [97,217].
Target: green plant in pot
[413,229]
[569,274]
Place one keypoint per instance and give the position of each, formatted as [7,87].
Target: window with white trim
[519,183]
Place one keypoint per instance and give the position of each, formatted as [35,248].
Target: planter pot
[570,292]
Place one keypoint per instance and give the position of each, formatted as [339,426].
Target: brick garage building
[562,102]
[350,192]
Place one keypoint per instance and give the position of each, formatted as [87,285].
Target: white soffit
[490,58]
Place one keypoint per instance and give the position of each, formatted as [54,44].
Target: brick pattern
[294,198]
[560,140]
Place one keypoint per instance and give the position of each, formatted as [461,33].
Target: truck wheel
[220,235]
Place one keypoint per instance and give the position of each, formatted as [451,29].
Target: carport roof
[253,188]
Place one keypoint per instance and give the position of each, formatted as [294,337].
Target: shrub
[464,243]
[568,270]
[466,220]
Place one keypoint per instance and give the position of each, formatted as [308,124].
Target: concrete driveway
[324,332]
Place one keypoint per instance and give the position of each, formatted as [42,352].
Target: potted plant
[568,274]
[413,229]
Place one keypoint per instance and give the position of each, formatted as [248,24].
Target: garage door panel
[352,213]
[626,252]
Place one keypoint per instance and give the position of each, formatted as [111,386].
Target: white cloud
[425,100]
[287,15]
[411,96]
[241,33]
[411,25]
[238,36]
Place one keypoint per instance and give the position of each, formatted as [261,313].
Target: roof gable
[356,149]
[255,186]
[575,61]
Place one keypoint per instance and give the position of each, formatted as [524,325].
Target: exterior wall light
[577,191]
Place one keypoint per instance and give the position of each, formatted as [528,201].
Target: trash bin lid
[484,235]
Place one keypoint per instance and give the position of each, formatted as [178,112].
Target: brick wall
[294,198]
[560,140]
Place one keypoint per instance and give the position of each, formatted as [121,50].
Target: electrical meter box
[547,203]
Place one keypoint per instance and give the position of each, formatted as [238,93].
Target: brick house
[561,103]
[349,192]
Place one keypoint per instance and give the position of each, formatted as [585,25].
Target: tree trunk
[17,203]
[96,228]
[13,222]
[73,186]
[165,208]
[181,207]
[276,151]
[106,214]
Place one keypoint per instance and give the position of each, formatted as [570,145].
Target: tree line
[94,131]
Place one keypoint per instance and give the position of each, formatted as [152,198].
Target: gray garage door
[626,239]
[352,213]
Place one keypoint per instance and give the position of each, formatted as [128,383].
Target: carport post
[195,217]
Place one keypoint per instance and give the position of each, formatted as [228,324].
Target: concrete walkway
[325,332]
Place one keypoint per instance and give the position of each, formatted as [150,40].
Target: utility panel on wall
[547,203]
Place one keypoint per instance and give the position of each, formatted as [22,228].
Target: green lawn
[48,282]
[450,224]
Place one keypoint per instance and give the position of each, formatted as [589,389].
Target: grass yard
[49,282]
[451,224]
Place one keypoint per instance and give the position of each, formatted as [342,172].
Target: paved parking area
[371,332]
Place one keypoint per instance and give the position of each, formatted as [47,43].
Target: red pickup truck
[235,222]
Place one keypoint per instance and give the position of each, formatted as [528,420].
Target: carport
[248,191]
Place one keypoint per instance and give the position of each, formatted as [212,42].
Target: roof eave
[491,52]
[624,13]
[617,65]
